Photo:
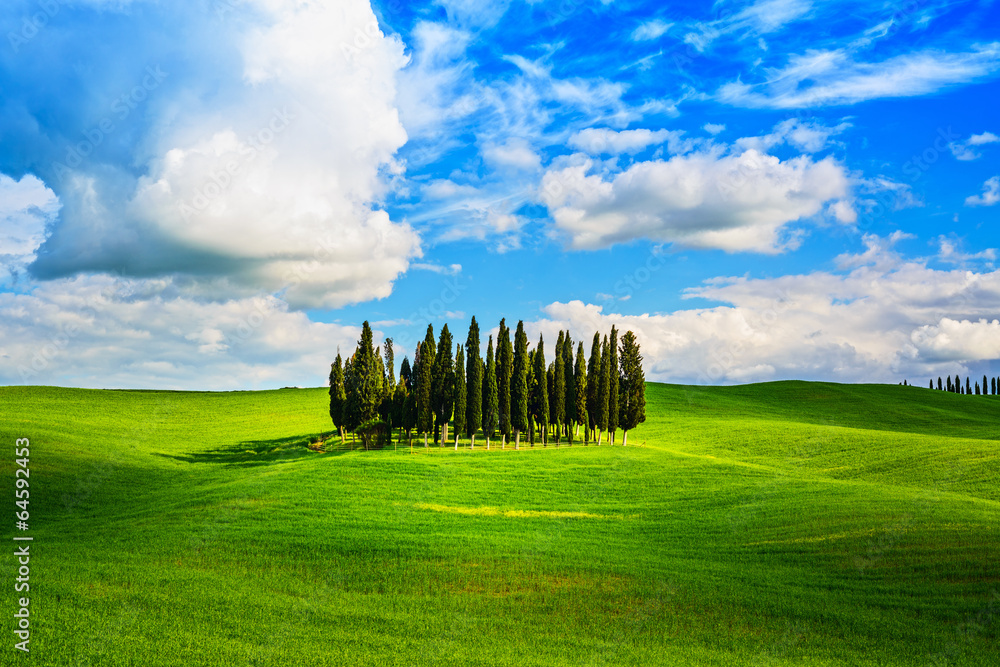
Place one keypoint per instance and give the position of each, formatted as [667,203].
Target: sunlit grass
[788,523]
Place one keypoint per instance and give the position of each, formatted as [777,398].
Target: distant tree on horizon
[557,397]
[569,402]
[968,387]
[425,374]
[540,390]
[443,383]
[939,383]
[593,384]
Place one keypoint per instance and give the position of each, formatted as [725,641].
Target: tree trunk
[472,445]
[578,429]
[624,438]
[503,441]
[456,442]
[425,441]
[444,433]
[341,429]
[487,443]
[600,434]
[517,439]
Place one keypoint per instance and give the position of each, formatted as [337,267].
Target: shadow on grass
[268,452]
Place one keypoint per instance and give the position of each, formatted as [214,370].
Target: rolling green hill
[786,523]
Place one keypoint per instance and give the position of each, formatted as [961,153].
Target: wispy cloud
[650,30]
[830,78]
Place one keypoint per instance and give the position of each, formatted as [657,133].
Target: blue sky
[215,194]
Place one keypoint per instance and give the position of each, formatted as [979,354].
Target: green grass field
[778,524]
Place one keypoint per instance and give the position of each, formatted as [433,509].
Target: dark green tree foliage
[580,385]
[398,405]
[474,383]
[985,385]
[406,374]
[931,385]
[490,398]
[390,366]
[968,387]
[604,390]
[613,389]
[519,384]
[949,384]
[540,389]
[338,395]
[632,399]
[531,397]
[443,389]
[425,374]
[993,386]
[939,383]
[557,397]
[365,393]
[977,389]
[569,400]
[505,371]
[594,384]
[460,394]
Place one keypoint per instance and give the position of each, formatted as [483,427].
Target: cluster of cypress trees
[510,392]
[989,386]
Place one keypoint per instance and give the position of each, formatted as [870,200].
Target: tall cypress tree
[490,399]
[460,394]
[338,395]
[985,386]
[570,395]
[939,383]
[613,388]
[540,390]
[633,386]
[594,385]
[968,387]
[949,384]
[931,385]
[390,366]
[366,393]
[505,370]
[604,390]
[993,386]
[474,383]
[443,390]
[406,374]
[580,382]
[557,398]
[519,385]
[425,377]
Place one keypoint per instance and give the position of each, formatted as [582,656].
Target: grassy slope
[787,523]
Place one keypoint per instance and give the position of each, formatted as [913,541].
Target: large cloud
[736,202]
[101,331]
[252,160]
[885,319]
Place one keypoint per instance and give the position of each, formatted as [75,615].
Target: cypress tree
[398,402]
[390,366]
[505,370]
[985,386]
[474,383]
[977,389]
[594,385]
[409,415]
[958,385]
[531,397]
[406,374]
[443,390]
[993,386]
[968,387]
[633,386]
[490,399]
[570,396]
[949,384]
[604,390]
[557,397]
[425,376]
[540,390]
[931,385]
[460,394]
[580,382]
[366,395]
[939,383]
[519,385]
[613,388]
[338,395]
